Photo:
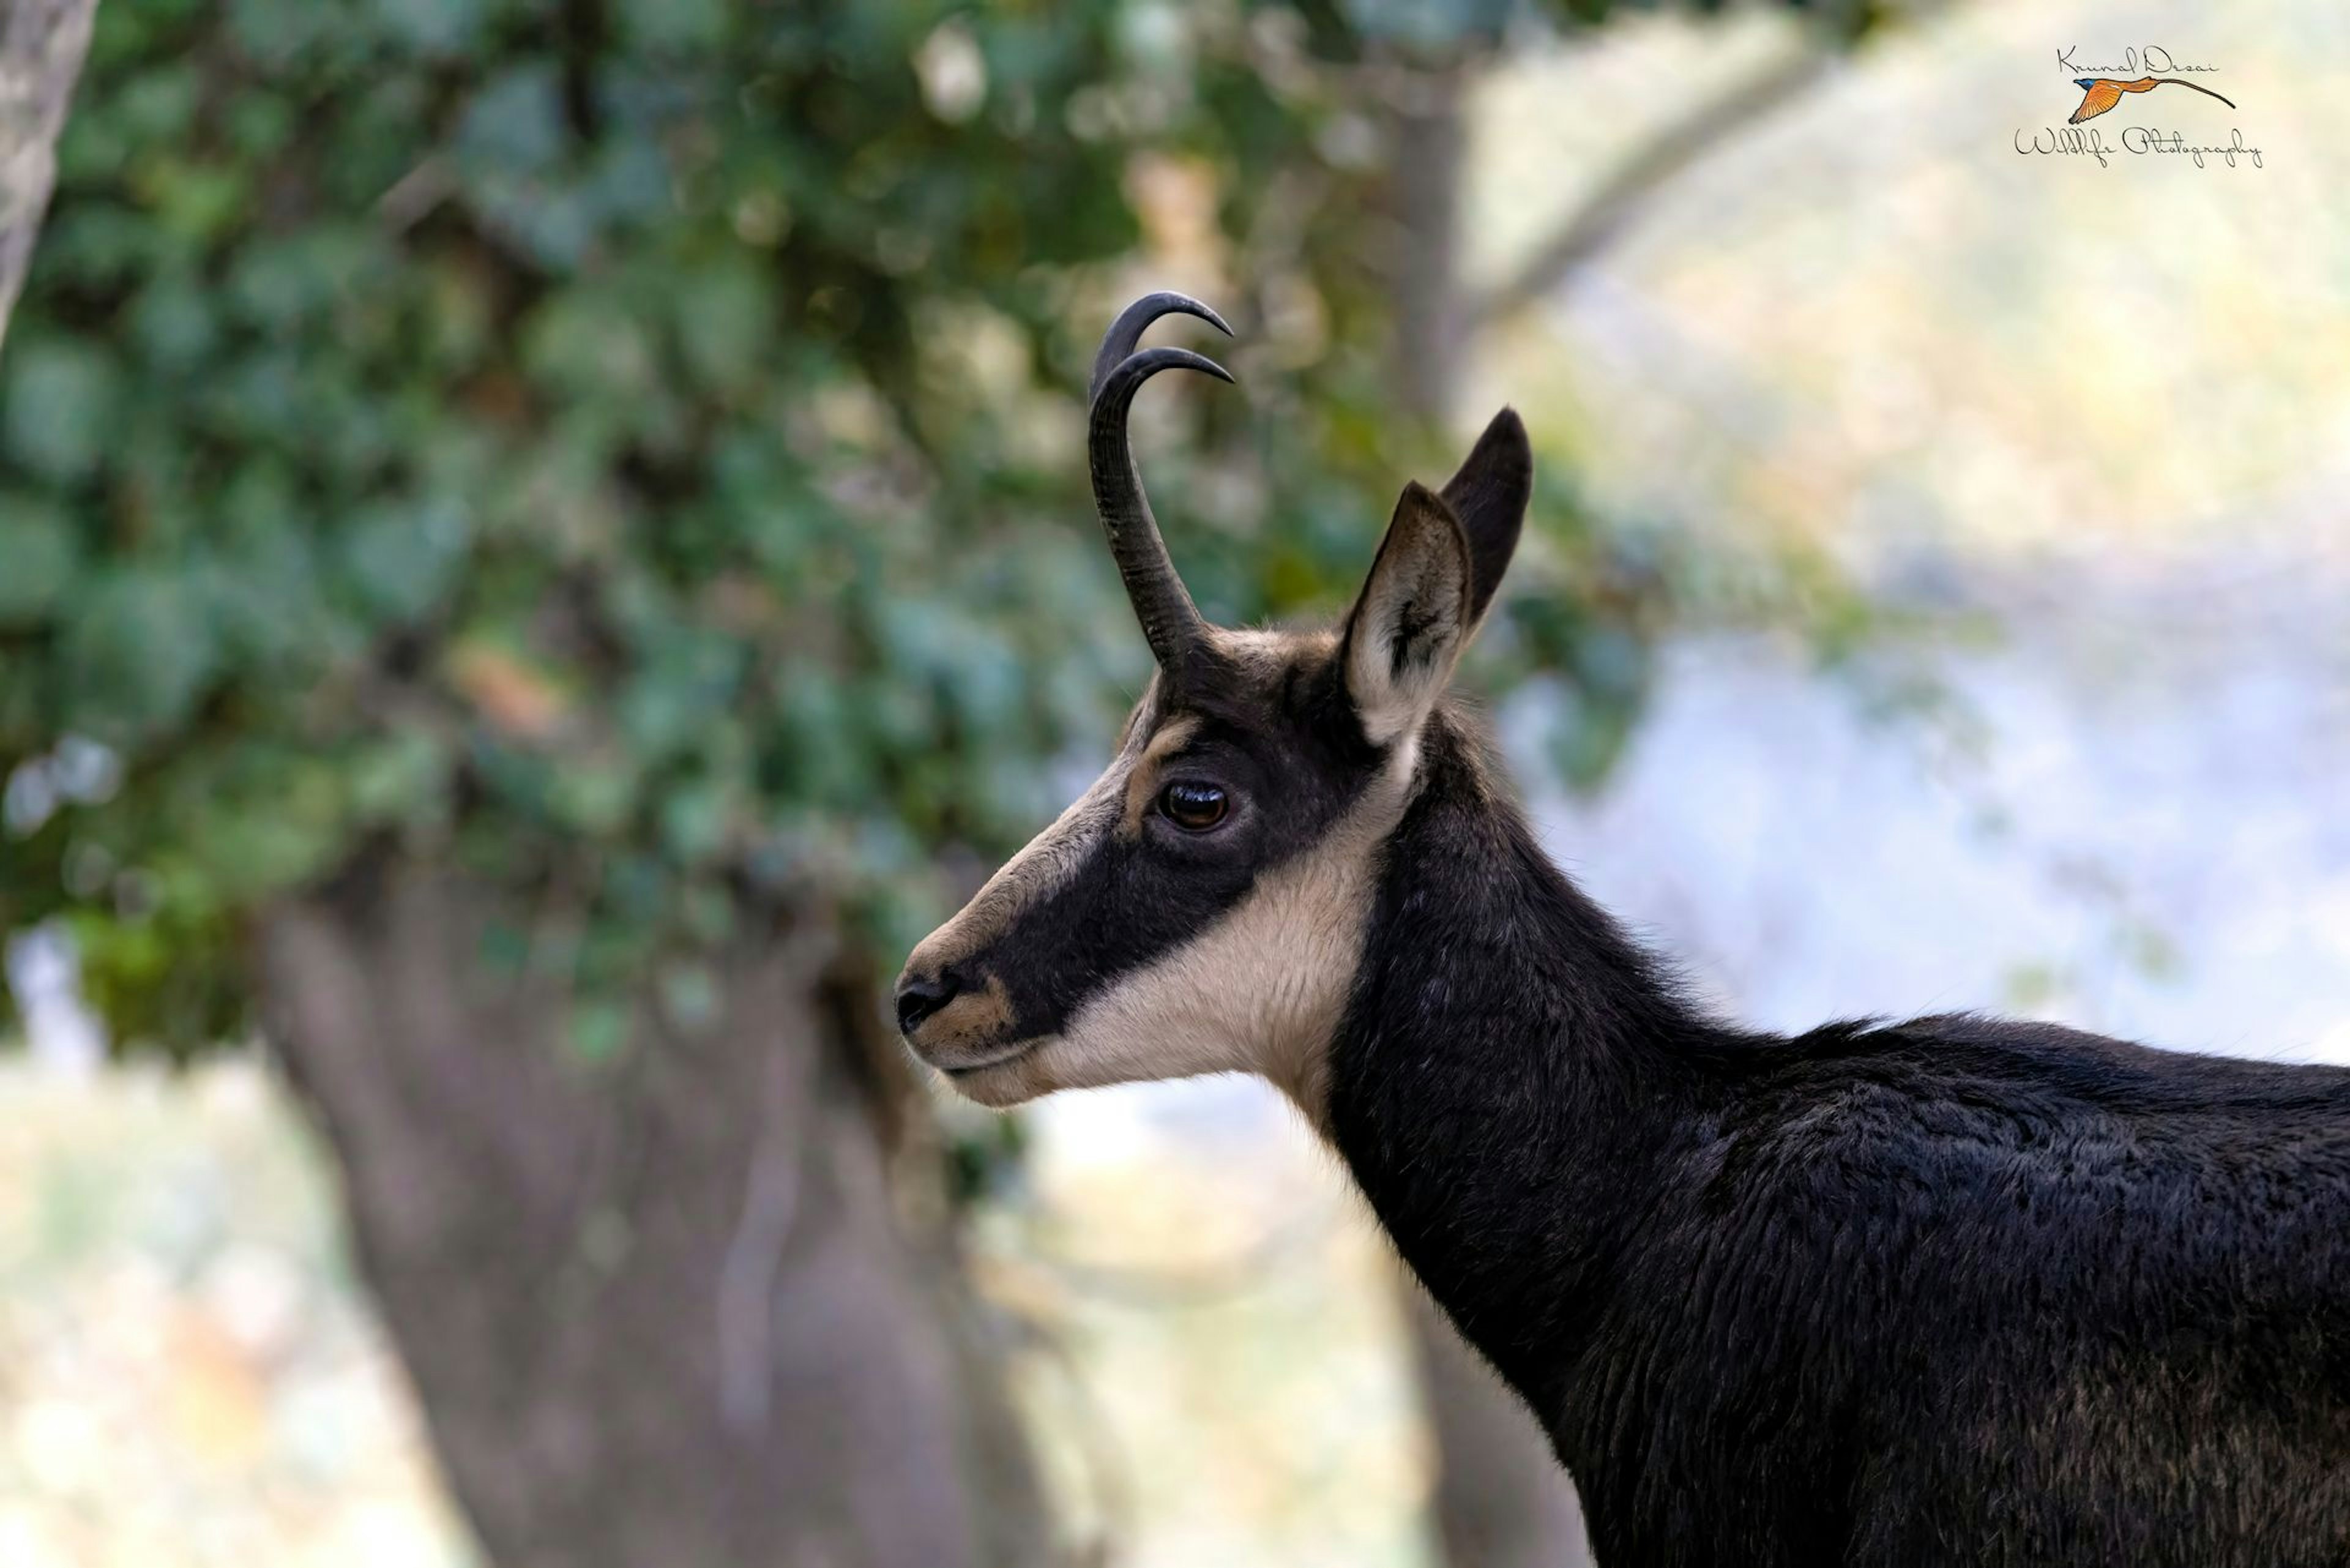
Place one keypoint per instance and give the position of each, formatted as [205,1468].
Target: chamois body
[1948,1292]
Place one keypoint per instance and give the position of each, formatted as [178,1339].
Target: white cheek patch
[1263,990]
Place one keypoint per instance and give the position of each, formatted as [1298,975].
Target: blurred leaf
[37,543]
[400,558]
[138,649]
[61,404]
[598,1032]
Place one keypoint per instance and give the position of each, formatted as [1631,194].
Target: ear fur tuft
[1407,629]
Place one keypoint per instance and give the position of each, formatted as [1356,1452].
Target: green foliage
[631,449]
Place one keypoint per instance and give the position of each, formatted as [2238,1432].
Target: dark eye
[1194,806]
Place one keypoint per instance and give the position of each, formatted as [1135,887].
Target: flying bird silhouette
[2101,93]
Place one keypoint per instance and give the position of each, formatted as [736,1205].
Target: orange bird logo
[2101,93]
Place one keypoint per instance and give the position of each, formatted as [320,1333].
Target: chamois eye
[1194,806]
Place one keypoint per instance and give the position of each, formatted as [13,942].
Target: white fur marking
[1262,989]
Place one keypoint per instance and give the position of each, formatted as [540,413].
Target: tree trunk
[669,1310]
[1503,1501]
[41,46]
[1428,145]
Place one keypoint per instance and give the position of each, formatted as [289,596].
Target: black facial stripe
[1293,758]
[1125,909]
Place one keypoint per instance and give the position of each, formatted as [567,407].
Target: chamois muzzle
[1170,622]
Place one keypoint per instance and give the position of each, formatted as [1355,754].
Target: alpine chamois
[1955,1291]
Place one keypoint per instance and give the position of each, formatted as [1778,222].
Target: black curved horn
[1126,331]
[1170,622]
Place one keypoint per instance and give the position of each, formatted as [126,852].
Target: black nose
[919,996]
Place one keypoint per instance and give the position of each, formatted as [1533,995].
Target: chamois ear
[1489,497]
[1407,629]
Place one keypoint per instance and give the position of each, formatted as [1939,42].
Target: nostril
[919,996]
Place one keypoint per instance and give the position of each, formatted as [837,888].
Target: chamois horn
[1170,622]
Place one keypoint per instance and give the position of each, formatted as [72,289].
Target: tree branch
[1595,225]
[41,46]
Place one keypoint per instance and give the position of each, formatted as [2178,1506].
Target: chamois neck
[1511,1067]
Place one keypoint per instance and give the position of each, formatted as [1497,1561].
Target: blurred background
[542,546]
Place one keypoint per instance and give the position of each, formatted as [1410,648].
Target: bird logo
[2099,94]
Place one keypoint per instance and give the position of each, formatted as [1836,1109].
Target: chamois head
[1201,908]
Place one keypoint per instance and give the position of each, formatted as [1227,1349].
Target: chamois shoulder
[1953,1090]
[2013,1057]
